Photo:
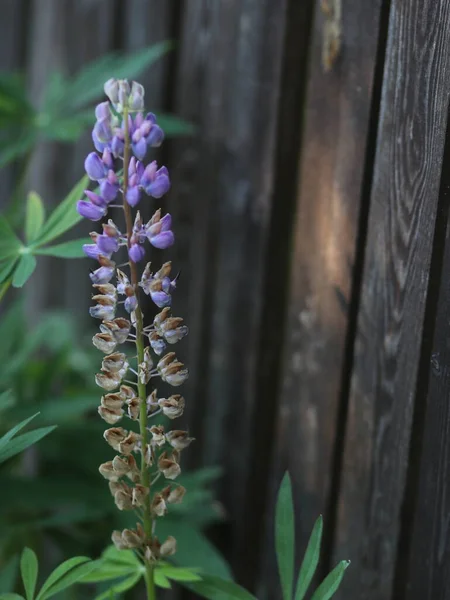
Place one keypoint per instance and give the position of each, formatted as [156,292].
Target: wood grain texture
[325,230]
[397,261]
[227,85]
[422,572]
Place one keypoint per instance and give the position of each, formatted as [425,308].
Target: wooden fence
[312,221]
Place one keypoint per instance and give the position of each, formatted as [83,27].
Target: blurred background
[305,247]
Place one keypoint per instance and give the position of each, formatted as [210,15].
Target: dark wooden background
[311,209]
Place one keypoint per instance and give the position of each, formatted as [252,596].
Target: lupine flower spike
[122,135]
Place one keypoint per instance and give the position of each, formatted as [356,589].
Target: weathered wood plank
[326,226]
[397,261]
[422,569]
[228,86]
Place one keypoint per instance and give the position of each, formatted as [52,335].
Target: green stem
[142,390]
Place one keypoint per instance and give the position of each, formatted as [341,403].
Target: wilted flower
[171,370]
[178,439]
[173,406]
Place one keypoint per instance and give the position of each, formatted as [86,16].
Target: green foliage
[310,560]
[63,115]
[216,588]
[285,549]
[11,444]
[64,576]
[17,260]
[284,536]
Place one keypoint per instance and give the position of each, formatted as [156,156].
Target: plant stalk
[142,391]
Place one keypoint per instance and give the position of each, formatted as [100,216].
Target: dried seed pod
[169,547]
[178,439]
[173,406]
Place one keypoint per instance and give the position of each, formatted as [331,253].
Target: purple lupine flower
[155,181]
[102,111]
[130,303]
[139,144]
[161,299]
[107,244]
[136,252]
[109,187]
[92,251]
[94,166]
[90,211]
[102,134]
[158,231]
[102,275]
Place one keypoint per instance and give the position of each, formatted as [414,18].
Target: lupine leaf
[8,574]
[21,442]
[161,580]
[6,268]
[60,571]
[34,216]
[29,572]
[332,581]
[69,578]
[179,573]
[284,536]
[72,249]
[310,560]
[127,557]
[65,215]
[7,400]
[88,84]
[107,572]
[24,270]
[216,588]
[9,242]
[12,432]
[11,597]
[122,586]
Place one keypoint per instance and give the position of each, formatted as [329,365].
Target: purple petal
[138,120]
[94,167]
[159,187]
[133,195]
[136,252]
[91,250]
[102,312]
[102,275]
[107,245]
[102,111]
[163,240]
[155,137]
[108,190]
[90,211]
[161,299]
[140,148]
[108,159]
[103,131]
[99,146]
[150,117]
[95,199]
[130,303]
[166,222]
[117,146]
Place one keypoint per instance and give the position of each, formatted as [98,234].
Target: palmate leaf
[331,583]
[6,268]
[22,442]
[11,597]
[12,432]
[284,536]
[29,572]
[24,270]
[61,573]
[35,216]
[72,249]
[65,216]
[310,561]
[9,242]
[126,584]
[68,579]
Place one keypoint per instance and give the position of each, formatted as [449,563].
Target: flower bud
[136,100]
[94,167]
[111,89]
